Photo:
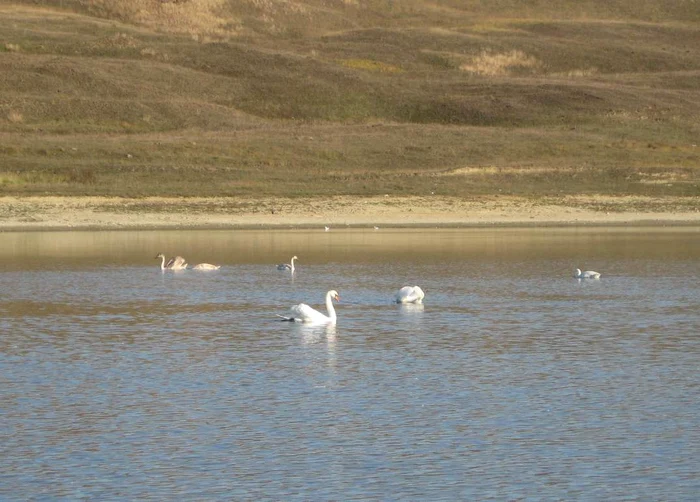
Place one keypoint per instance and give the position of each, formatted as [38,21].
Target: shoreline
[50,213]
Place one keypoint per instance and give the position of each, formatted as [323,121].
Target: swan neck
[330,308]
[162,262]
[292,264]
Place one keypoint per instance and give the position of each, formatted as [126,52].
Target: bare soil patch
[62,213]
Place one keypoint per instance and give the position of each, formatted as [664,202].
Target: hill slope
[216,97]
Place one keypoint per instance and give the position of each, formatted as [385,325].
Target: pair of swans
[287,266]
[304,313]
[175,263]
[179,263]
[588,274]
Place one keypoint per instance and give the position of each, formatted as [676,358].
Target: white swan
[206,266]
[588,274]
[175,263]
[410,294]
[287,266]
[304,313]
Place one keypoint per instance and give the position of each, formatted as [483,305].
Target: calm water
[513,381]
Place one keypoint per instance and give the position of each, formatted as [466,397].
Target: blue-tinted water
[512,381]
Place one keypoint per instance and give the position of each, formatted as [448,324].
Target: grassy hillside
[223,97]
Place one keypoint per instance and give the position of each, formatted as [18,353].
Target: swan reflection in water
[412,308]
[317,338]
[316,333]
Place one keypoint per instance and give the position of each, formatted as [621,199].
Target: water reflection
[316,333]
[514,380]
[119,248]
[412,308]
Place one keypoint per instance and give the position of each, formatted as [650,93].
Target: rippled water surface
[513,381]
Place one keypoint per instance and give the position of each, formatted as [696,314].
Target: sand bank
[65,213]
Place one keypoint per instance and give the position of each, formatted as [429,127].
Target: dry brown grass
[326,98]
[500,64]
[198,18]
[15,117]
[369,65]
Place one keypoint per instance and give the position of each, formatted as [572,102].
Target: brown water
[513,381]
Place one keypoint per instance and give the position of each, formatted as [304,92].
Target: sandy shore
[63,213]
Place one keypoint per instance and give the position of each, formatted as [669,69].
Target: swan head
[333,294]
[160,255]
[294,257]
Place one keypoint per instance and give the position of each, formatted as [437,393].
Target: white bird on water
[206,266]
[175,263]
[287,266]
[588,274]
[306,314]
[410,294]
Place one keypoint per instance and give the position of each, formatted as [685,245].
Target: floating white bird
[306,314]
[175,263]
[327,228]
[376,227]
[287,266]
[410,294]
[206,266]
[588,274]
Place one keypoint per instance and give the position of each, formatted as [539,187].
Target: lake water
[513,381]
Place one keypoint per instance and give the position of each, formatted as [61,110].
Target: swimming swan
[304,313]
[287,266]
[175,263]
[410,294]
[588,274]
[206,266]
